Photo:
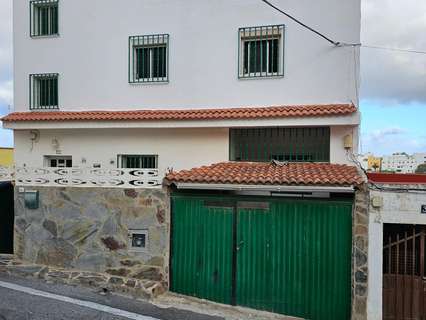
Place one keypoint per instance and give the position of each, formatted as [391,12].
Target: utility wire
[394,49]
[336,43]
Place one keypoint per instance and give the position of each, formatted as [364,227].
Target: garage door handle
[240,245]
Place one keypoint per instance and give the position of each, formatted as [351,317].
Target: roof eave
[269,188]
[333,120]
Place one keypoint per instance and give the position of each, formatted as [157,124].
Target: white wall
[91,53]
[176,148]
[180,148]
[400,208]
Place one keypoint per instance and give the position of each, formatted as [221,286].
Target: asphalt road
[26,299]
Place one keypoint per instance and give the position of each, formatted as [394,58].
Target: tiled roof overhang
[273,174]
[188,114]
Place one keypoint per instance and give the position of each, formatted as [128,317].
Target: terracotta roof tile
[189,114]
[253,173]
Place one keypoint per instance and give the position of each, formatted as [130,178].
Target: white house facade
[397,241]
[138,124]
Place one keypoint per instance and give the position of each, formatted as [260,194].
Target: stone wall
[88,229]
[360,254]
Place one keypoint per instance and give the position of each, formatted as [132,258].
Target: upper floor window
[138,161]
[44,91]
[283,144]
[148,58]
[43,18]
[261,52]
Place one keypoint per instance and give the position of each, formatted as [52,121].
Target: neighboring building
[6,157]
[420,158]
[397,241]
[369,162]
[179,144]
[374,163]
[402,162]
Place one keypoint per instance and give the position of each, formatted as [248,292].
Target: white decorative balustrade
[6,174]
[87,177]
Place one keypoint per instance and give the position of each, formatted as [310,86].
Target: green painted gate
[286,256]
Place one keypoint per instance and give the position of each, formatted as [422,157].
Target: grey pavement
[16,305]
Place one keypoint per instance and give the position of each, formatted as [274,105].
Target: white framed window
[148,58]
[43,18]
[261,52]
[138,161]
[138,240]
[58,161]
[44,91]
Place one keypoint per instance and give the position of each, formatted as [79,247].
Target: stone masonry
[88,229]
[360,254]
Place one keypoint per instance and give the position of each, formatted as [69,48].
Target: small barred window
[148,58]
[44,91]
[44,18]
[261,52]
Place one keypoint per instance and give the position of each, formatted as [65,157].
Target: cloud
[389,76]
[6,92]
[383,133]
[6,56]
[393,139]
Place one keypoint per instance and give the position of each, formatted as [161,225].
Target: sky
[393,84]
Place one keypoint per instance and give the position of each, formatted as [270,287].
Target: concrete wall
[91,53]
[176,148]
[401,208]
[88,230]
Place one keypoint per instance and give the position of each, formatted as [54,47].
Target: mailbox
[31,199]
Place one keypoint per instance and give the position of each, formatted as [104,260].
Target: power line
[394,49]
[336,43]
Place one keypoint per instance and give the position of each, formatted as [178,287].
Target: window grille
[44,91]
[283,144]
[138,161]
[261,52]
[148,58]
[58,161]
[43,18]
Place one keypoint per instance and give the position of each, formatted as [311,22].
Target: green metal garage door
[202,250]
[286,256]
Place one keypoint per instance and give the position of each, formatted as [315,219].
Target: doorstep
[137,288]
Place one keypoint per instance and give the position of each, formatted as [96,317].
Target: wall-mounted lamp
[348,141]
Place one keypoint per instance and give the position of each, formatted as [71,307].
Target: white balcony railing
[6,174]
[82,177]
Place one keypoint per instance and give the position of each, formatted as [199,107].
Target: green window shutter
[282,144]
